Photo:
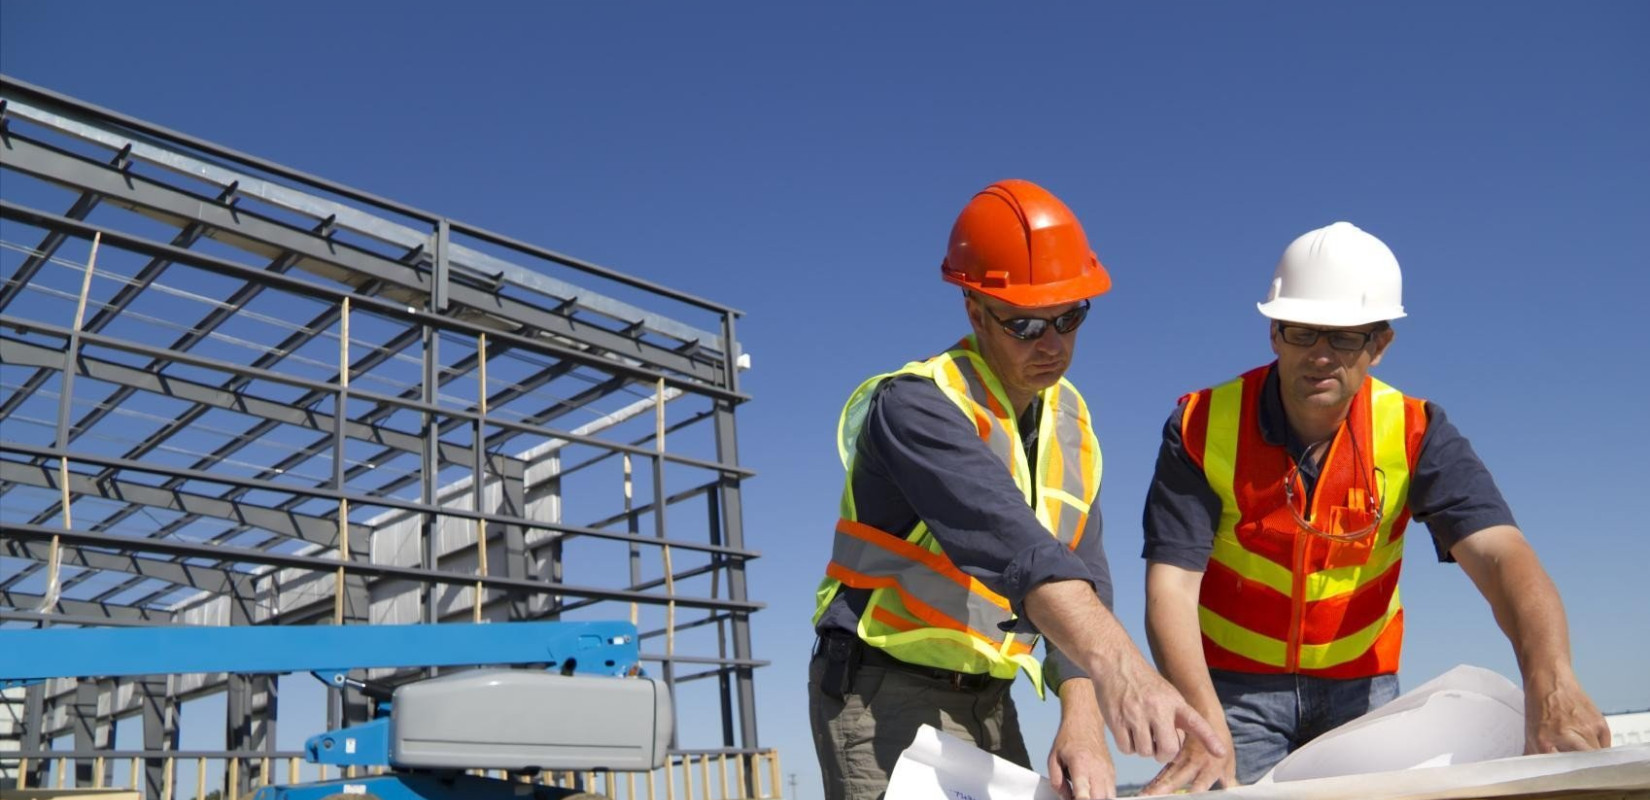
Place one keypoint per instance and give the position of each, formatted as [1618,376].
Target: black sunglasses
[1028,328]
[1348,341]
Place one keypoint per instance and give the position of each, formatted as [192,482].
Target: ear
[1382,341]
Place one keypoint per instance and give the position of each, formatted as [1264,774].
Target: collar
[1274,421]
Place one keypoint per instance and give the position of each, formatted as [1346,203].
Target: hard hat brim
[1091,283]
[1333,315]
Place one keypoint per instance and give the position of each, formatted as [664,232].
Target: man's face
[1317,374]
[1025,366]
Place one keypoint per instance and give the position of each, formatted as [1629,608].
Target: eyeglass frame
[1364,337]
[1377,503]
[1081,312]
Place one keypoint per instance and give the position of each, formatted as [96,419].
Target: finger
[1124,736]
[1091,778]
[1057,777]
[1165,739]
[1193,723]
[1168,779]
[1080,789]
[1602,735]
[1206,777]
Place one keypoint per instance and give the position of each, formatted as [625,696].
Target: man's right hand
[1143,710]
[1195,769]
[1146,713]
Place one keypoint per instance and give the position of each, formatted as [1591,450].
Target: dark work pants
[861,736]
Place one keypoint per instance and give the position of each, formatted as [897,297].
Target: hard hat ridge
[1017,242]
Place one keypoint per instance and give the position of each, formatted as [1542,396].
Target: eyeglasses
[1349,341]
[1028,328]
[1361,504]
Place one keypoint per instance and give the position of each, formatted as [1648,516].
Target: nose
[1053,343]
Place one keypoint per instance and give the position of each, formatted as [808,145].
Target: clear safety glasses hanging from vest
[1361,515]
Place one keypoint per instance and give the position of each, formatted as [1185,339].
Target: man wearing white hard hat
[1275,527]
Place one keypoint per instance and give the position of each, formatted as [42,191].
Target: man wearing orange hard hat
[970,526]
[1275,529]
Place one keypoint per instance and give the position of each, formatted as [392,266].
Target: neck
[1312,425]
[1020,401]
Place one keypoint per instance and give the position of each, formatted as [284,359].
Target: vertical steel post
[733,528]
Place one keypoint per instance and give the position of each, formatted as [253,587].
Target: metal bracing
[234,393]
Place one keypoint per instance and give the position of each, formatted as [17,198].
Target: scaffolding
[233,393]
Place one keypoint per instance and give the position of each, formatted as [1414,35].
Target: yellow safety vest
[923,609]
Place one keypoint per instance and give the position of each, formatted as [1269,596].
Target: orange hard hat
[1018,243]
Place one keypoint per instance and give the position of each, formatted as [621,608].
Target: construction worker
[970,521]
[1275,525]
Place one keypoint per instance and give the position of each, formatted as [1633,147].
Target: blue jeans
[1273,715]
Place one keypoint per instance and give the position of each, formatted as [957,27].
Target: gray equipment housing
[530,720]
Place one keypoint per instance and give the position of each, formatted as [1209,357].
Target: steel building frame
[235,393]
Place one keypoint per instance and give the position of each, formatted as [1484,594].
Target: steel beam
[292,525]
[329,564]
[328,258]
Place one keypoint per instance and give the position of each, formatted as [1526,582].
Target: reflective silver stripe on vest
[1072,433]
[999,439]
[921,582]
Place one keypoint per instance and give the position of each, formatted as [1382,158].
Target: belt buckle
[959,681]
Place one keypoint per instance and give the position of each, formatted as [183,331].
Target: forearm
[1078,704]
[1558,715]
[1172,632]
[1071,616]
[1524,600]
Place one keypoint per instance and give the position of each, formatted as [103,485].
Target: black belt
[839,645]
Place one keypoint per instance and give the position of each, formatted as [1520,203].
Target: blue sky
[803,162]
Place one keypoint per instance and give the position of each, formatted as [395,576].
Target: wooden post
[233,782]
[291,771]
[166,778]
[773,773]
[722,767]
[22,774]
[343,503]
[200,777]
[704,776]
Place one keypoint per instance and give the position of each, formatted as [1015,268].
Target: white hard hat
[1338,276]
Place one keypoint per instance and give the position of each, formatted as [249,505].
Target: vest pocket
[1355,553]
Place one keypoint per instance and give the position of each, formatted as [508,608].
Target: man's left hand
[1079,763]
[1558,716]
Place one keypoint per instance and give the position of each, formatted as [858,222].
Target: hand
[1558,716]
[1146,713]
[1079,763]
[1195,769]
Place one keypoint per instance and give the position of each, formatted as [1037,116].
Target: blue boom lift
[426,732]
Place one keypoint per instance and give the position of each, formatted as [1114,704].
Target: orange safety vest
[1275,598]
[923,609]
